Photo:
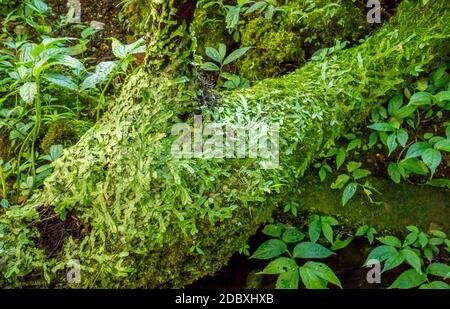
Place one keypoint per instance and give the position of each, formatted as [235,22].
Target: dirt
[104,11]
[54,232]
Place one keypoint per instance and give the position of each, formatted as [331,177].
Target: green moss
[276,51]
[63,132]
[399,205]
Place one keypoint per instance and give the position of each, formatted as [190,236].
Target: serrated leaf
[292,235]
[432,158]
[393,262]
[288,280]
[273,230]
[61,81]
[280,265]
[402,137]
[408,279]
[321,270]
[439,270]
[28,91]
[381,253]
[390,241]
[412,258]
[314,230]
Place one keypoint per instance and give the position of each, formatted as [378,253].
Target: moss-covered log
[143,218]
[397,205]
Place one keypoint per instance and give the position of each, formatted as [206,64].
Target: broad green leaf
[260,5]
[393,262]
[211,67]
[327,231]
[362,231]
[435,285]
[394,172]
[273,230]
[280,265]
[321,270]
[236,55]
[420,98]
[432,158]
[310,250]
[340,157]
[288,280]
[442,96]
[353,166]
[61,81]
[395,103]
[310,279]
[439,270]
[340,244]
[414,165]
[55,152]
[270,249]
[412,258]
[222,51]
[411,238]
[213,54]
[392,142]
[349,192]
[408,279]
[353,144]
[402,137]
[314,230]
[405,111]
[438,233]
[232,17]
[443,145]
[340,182]
[382,127]
[292,235]
[381,253]
[100,75]
[390,241]
[28,91]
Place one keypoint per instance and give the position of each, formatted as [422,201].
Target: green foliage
[288,246]
[418,250]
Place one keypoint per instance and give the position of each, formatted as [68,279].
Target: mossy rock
[63,132]
[396,205]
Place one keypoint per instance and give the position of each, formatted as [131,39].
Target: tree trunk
[147,219]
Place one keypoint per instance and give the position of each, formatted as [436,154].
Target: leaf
[420,98]
[340,244]
[416,149]
[280,265]
[314,230]
[395,103]
[402,137]
[55,152]
[292,235]
[61,81]
[373,138]
[222,51]
[411,238]
[439,270]
[390,241]
[327,231]
[382,127]
[353,166]
[443,145]
[349,192]
[340,157]
[273,230]
[236,55]
[381,253]
[440,183]
[438,233]
[28,91]
[310,279]
[232,17]
[394,172]
[100,75]
[321,270]
[392,143]
[435,285]
[412,258]
[405,111]
[362,231]
[310,250]
[353,144]
[432,158]
[288,280]
[442,96]
[211,67]
[213,54]
[393,262]
[414,166]
[121,51]
[260,5]
[270,249]
[408,279]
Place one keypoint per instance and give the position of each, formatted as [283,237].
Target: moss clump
[276,51]
[64,133]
